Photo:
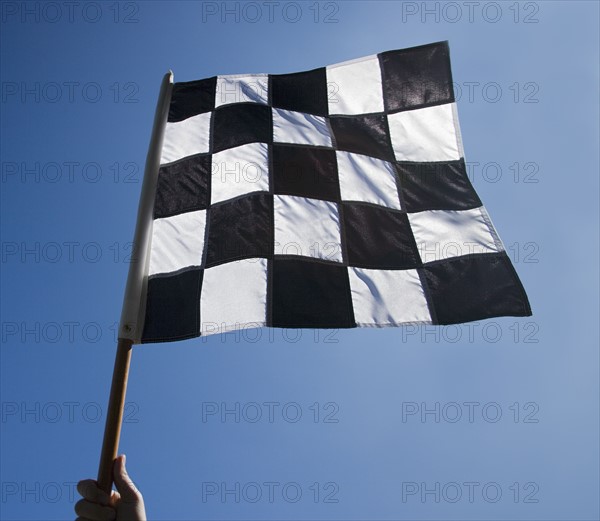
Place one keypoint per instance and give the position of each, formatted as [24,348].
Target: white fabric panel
[424,134]
[234,295]
[307,227]
[240,170]
[186,138]
[365,178]
[355,87]
[441,234]
[459,141]
[253,88]
[387,297]
[177,242]
[300,128]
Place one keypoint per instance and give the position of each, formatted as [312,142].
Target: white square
[441,234]
[307,227]
[177,242]
[365,178]
[387,297]
[240,170]
[234,295]
[300,128]
[186,138]
[425,134]
[253,88]
[355,87]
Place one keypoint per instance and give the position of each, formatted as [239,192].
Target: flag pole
[132,314]
[114,416]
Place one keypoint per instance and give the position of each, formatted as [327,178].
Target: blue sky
[496,420]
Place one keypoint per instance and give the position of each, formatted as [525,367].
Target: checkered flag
[333,198]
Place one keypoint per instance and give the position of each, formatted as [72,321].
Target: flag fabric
[332,198]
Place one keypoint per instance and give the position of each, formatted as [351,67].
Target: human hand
[127,504]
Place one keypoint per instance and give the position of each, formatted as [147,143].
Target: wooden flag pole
[114,414]
[132,314]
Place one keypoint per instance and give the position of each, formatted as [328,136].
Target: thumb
[123,482]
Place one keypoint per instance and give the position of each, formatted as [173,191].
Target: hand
[125,505]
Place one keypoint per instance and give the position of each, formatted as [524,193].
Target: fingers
[89,511]
[88,488]
[124,484]
[97,505]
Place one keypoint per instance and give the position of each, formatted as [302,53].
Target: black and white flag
[333,198]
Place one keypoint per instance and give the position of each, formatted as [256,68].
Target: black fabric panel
[301,92]
[241,123]
[475,287]
[416,77]
[436,186]
[305,171]
[311,294]
[364,134]
[240,229]
[183,186]
[173,307]
[192,98]
[379,238]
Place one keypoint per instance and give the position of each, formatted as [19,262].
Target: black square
[241,123]
[173,307]
[365,134]
[378,238]
[192,98]
[240,229]
[310,294]
[475,287]
[183,186]
[301,92]
[417,77]
[305,171]
[436,186]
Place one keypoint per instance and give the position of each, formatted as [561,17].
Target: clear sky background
[496,420]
